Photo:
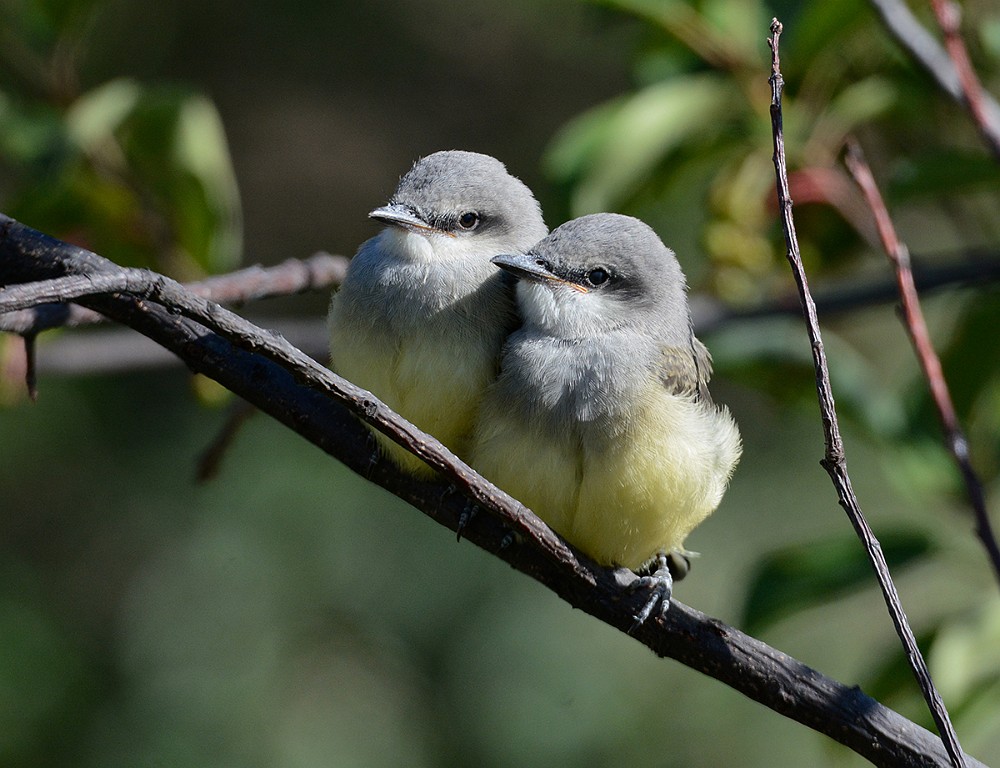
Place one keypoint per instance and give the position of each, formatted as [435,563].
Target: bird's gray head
[460,204]
[601,273]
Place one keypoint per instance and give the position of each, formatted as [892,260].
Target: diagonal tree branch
[278,379]
[949,17]
[928,53]
[321,270]
[835,459]
[913,318]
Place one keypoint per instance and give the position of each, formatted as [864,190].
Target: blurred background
[287,613]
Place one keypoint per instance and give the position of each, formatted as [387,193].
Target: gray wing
[686,370]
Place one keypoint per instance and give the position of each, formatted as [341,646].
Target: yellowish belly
[619,500]
[435,383]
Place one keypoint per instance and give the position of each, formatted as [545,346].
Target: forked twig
[834,461]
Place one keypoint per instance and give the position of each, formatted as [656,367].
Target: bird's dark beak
[528,266]
[399,215]
[525,265]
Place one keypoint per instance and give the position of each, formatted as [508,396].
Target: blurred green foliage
[288,614]
[139,173]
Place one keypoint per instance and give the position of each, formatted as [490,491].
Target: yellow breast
[433,380]
[622,498]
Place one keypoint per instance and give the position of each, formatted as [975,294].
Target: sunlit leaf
[214,228]
[856,104]
[738,23]
[615,147]
[966,653]
[92,120]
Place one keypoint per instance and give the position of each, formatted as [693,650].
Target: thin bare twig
[316,404]
[835,461]
[949,18]
[926,51]
[211,458]
[913,318]
[319,271]
[118,349]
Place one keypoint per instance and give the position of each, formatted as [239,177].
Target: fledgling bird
[422,314]
[600,420]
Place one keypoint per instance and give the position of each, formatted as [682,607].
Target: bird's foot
[468,512]
[660,583]
[374,454]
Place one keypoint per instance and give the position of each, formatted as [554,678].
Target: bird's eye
[468,220]
[598,276]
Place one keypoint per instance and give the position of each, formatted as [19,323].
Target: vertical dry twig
[913,318]
[834,461]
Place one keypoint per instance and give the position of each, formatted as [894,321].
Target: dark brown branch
[316,404]
[913,318]
[928,53]
[949,17]
[835,461]
[319,271]
[975,269]
[114,349]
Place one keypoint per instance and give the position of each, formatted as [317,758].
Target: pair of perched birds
[581,390]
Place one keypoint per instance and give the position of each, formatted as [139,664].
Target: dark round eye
[468,220]
[598,276]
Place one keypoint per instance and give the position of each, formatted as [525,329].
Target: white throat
[430,248]
[563,311]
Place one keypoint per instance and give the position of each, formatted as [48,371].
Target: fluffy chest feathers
[401,281]
[421,328]
[572,386]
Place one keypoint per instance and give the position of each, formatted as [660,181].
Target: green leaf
[818,26]
[93,118]
[858,103]
[966,653]
[891,680]
[162,165]
[41,675]
[805,575]
[610,150]
[29,133]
